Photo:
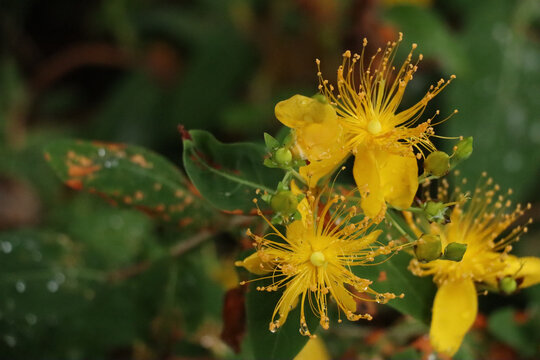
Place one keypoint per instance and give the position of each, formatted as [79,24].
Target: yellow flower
[318,135]
[313,261]
[381,137]
[483,224]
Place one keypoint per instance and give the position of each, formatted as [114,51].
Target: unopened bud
[464,149]
[283,156]
[435,211]
[508,285]
[428,248]
[454,251]
[284,202]
[437,163]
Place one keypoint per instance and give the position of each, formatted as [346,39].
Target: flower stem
[395,223]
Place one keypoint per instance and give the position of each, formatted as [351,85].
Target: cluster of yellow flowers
[463,241]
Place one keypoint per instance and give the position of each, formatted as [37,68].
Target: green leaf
[522,337]
[393,276]
[408,354]
[227,174]
[127,175]
[425,27]
[286,342]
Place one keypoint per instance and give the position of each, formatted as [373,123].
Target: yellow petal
[399,178]
[307,215]
[362,243]
[318,169]
[318,135]
[289,300]
[254,264]
[299,111]
[526,269]
[313,350]
[366,175]
[343,297]
[454,311]
[530,272]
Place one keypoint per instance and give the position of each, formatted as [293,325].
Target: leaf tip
[185,134]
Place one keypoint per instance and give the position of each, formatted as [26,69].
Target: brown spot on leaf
[141,161]
[521,317]
[382,276]
[139,195]
[160,208]
[193,189]
[128,199]
[47,156]
[80,171]
[157,186]
[110,146]
[179,193]
[233,212]
[74,184]
[185,221]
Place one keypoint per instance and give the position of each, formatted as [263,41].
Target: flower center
[374,126]
[317,259]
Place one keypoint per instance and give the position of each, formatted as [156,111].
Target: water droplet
[31,319]
[381,299]
[274,326]
[101,152]
[6,246]
[107,164]
[59,278]
[10,340]
[227,194]
[325,322]
[304,331]
[52,286]
[20,286]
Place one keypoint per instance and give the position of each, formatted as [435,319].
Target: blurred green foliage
[80,278]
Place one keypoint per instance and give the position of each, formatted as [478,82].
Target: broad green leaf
[424,26]
[286,342]
[127,175]
[393,276]
[521,336]
[227,174]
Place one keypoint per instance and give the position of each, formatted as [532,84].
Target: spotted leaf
[126,174]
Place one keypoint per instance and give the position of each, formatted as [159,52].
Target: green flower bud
[437,163]
[284,202]
[283,156]
[508,285]
[463,149]
[428,248]
[454,251]
[435,211]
